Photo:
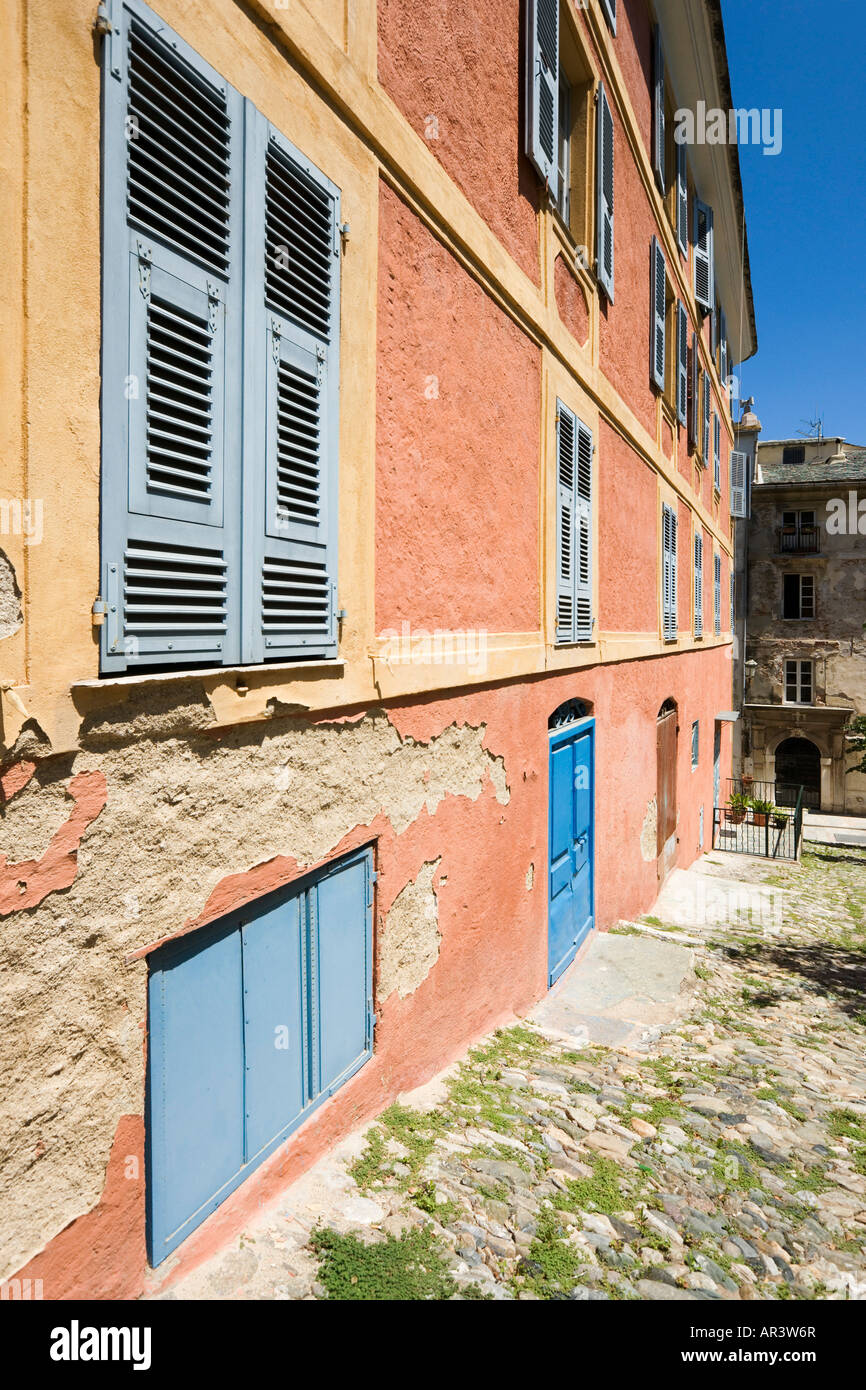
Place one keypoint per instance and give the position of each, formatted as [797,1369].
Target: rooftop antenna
[814,428]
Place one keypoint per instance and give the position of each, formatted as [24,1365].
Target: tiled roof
[829,470]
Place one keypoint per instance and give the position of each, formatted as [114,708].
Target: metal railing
[799,540]
[775,834]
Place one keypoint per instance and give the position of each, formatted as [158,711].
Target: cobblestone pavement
[727,1161]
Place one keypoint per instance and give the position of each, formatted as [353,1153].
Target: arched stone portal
[798,763]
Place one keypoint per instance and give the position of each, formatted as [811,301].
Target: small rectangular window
[696,737]
[798,596]
[798,682]
[794,453]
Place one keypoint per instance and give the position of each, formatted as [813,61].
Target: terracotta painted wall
[624,326]
[491,893]
[456,465]
[627,537]
[455,71]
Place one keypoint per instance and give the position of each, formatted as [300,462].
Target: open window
[574,148]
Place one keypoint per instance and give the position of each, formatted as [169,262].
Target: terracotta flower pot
[760,817]
[735,817]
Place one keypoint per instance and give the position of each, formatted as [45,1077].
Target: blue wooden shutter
[340,907]
[542,89]
[723,349]
[706,420]
[694,393]
[172,149]
[717,451]
[251,1023]
[275,1047]
[658,305]
[739,464]
[566,469]
[717,593]
[699,586]
[704,275]
[195,1083]
[292,401]
[609,8]
[583,535]
[658,121]
[604,194]
[682,200]
[669,572]
[682,364]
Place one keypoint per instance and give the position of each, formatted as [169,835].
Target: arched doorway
[666,787]
[798,764]
[571,853]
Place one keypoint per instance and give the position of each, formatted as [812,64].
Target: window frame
[803,677]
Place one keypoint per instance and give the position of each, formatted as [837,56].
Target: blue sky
[806,210]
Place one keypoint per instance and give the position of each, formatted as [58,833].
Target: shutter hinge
[343,231]
[320,362]
[145,257]
[98,611]
[275,341]
[110,35]
[372,1020]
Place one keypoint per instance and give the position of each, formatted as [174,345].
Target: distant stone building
[805,611]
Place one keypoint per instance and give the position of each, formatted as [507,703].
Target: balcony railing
[799,540]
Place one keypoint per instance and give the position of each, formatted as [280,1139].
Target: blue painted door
[252,1023]
[571,832]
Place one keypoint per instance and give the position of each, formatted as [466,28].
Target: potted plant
[736,808]
[761,810]
[780,818]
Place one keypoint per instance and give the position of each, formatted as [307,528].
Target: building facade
[365,565]
[805,669]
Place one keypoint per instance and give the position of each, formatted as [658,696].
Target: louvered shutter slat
[293,276]
[682,364]
[605,194]
[707,397]
[682,200]
[717,593]
[170,533]
[704,277]
[566,478]
[542,89]
[738,464]
[658,328]
[694,393]
[583,587]
[658,132]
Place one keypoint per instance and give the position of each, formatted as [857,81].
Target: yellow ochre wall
[312,70]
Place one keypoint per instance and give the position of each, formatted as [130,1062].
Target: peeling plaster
[11,616]
[409,938]
[649,833]
[183,816]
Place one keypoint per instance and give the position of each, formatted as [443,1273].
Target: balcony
[799,540]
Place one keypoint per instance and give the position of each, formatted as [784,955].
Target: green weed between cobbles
[407,1267]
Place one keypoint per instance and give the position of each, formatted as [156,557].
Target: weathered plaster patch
[26,883]
[530,878]
[649,833]
[11,616]
[183,815]
[409,937]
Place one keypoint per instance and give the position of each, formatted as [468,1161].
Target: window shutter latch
[213,301]
[145,257]
[320,362]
